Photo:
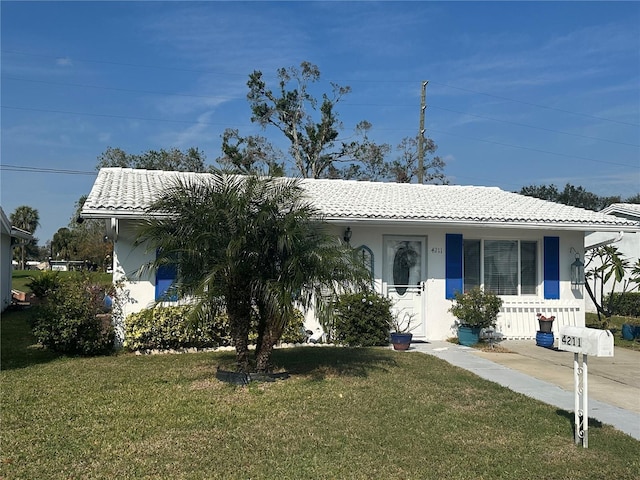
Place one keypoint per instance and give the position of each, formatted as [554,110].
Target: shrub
[294,330]
[70,321]
[47,282]
[171,328]
[362,319]
[625,305]
[476,308]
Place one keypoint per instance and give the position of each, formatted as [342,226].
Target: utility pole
[423,107]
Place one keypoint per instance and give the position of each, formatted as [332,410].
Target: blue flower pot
[401,341]
[544,339]
[468,336]
[629,331]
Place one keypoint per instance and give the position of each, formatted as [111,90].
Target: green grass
[344,413]
[20,278]
[615,325]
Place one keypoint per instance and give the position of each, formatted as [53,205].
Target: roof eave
[21,234]
[342,220]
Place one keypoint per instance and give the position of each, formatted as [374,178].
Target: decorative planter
[468,336]
[629,332]
[401,341]
[545,325]
[545,339]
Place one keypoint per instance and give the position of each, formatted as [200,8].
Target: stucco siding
[516,320]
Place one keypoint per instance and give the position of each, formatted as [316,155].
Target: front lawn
[20,278]
[344,413]
[615,325]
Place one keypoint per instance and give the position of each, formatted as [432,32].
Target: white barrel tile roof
[127,192]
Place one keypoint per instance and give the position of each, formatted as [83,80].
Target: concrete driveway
[613,380]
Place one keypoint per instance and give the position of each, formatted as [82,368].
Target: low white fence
[519,321]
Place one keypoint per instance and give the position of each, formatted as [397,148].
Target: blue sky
[519,93]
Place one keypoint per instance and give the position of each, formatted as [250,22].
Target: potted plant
[544,336]
[631,330]
[401,325]
[545,323]
[475,310]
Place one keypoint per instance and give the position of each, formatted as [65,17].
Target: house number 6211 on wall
[437,250]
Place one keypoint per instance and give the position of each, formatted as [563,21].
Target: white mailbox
[588,341]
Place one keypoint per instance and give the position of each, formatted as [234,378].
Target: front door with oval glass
[404,271]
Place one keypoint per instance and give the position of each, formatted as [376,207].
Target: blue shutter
[552,268]
[453,266]
[165,276]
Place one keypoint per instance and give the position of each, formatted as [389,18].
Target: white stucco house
[627,243]
[459,237]
[8,236]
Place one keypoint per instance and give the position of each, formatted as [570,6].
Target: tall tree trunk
[272,333]
[239,311]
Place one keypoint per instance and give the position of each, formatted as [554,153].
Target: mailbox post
[584,341]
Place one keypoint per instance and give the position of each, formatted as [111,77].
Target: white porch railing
[517,320]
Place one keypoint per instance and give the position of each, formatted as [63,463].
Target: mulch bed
[239,378]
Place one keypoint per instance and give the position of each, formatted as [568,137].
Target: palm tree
[245,243]
[301,264]
[27,219]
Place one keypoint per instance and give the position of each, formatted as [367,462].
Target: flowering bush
[170,328]
[362,319]
[71,320]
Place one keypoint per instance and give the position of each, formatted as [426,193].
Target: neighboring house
[8,237]
[627,243]
[423,244]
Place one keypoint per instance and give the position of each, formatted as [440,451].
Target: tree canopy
[312,127]
[28,219]
[192,160]
[574,196]
[249,244]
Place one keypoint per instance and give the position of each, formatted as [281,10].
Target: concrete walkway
[547,375]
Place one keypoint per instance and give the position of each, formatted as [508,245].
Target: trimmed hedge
[164,328]
[362,320]
[629,305]
[170,328]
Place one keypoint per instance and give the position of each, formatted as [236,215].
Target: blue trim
[165,276]
[453,265]
[552,268]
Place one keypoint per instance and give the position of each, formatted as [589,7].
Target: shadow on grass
[318,363]
[593,423]
[18,347]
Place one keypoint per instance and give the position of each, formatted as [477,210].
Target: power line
[215,72]
[218,124]
[19,168]
[566,155]
[124,64]
[128,90]
[121,117]
[536,127]
[537,105]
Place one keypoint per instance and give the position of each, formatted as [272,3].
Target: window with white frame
[504,267]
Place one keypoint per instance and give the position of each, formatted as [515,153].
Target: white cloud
[64,62]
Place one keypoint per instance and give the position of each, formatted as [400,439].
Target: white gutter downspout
[609,241]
